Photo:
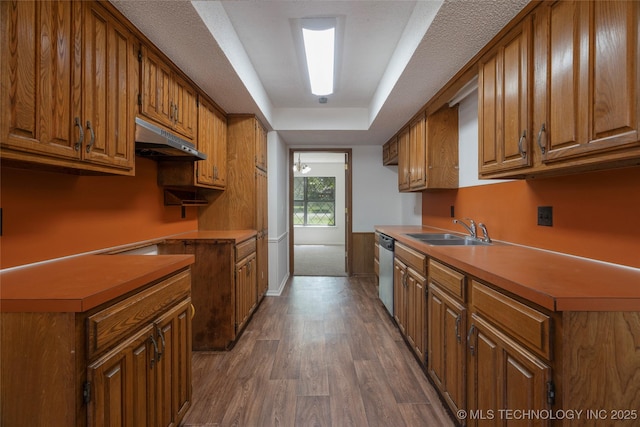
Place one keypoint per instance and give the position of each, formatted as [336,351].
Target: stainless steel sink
[434,236]
[446,239]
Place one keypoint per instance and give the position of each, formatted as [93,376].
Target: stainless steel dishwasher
[385,284]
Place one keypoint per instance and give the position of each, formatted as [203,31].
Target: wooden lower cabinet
[224,288]
[124,363]
[246,290]
[447,346]
[503,375]
[400,294]
[416,313]
[409,297]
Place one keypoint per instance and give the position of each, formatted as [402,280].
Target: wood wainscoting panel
[363,254]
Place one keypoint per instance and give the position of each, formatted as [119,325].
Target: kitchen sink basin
[434,236]
[446,239]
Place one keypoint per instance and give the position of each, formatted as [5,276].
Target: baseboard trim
[278,292]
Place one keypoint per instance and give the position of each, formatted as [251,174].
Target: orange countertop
[236,236]
[555,281]
[81,283]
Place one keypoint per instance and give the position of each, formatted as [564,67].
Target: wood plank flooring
[325,353]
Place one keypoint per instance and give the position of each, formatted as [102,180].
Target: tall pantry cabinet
[243,205]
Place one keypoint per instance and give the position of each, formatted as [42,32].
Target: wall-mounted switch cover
[545,216]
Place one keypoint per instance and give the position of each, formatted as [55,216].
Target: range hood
[156,143]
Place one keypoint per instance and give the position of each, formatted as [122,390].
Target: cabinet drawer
[448,279]
[245,249]
[530,326]
[412,258]
[110,325]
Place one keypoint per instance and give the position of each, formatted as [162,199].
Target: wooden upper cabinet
[107,95]
[403,159]
[504,98]
[588,55]
[428,152]
[41,71]
[390,152]
[261,146]
[167,97]
[67,70]
[417,154]
[212,140]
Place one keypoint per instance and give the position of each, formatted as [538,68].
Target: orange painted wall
[595,215]
[50,215]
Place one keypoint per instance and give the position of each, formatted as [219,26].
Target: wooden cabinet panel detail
[447,346]
[167,98]
[503,374]
[504,124]
[591,98]
[69,73]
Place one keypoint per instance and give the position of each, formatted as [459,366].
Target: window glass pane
[314,201]
[298,212]
[321,188]
[320,213]
[298,188]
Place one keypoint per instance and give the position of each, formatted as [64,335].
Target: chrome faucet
[471,228]
[485,233]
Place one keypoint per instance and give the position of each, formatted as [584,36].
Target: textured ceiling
[394,56]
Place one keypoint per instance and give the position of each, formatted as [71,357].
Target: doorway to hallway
[320,212]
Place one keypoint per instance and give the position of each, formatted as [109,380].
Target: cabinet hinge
[551,393]
[86,392]
[139,55]
[139,99]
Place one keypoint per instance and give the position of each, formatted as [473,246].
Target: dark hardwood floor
[325,353]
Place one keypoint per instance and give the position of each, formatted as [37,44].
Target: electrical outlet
[545,216]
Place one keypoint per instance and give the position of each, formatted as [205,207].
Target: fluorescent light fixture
[319,38]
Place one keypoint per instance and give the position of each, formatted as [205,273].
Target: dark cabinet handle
[156,352]
[472,348]
[522,151]
[79,142]
[164,344]
[458,337]
[93,137]
[543,129]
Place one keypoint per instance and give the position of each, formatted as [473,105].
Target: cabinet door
[246,290]
[418,156]
[593,73]
[206,144]
[400,294]
[173,368]
[261,146]
[122,384]
[404,155]
[157,103]
[504,99]
[503,375]
[185,109]
[40,75]
[108,115]
[447,346]
[219,149]
[416,312]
